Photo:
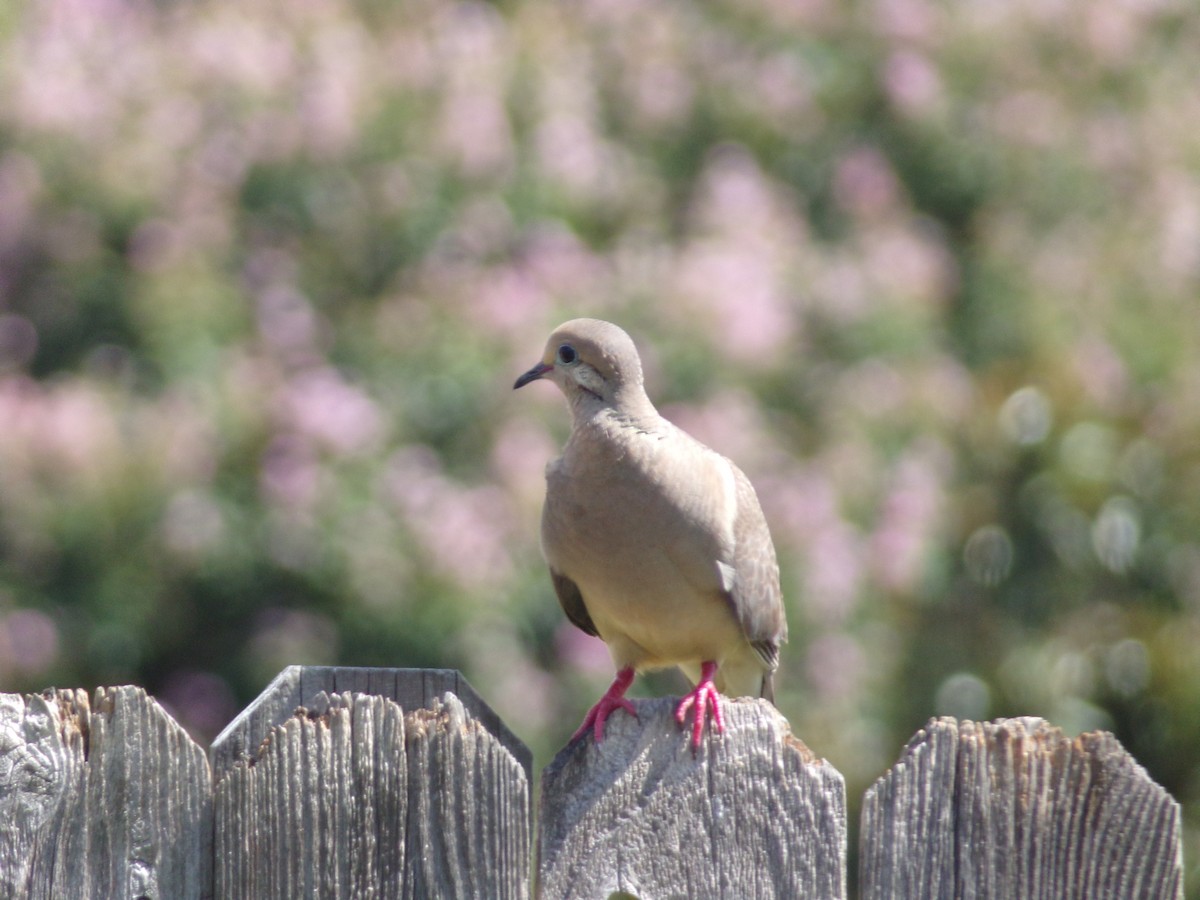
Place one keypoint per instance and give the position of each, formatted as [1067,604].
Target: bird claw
[613,699]
[597,715]
[703,698]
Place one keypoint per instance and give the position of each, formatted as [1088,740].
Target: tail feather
[768,687]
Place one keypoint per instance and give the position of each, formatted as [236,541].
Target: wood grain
[352,797]
[107,799]
[752,814]
[1013,808]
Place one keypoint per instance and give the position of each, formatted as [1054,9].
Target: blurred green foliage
[927,271]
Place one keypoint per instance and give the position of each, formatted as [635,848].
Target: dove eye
[567,354]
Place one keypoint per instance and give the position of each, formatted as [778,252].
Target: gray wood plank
[469,822]
[296,686]
[1013,808]
[351,797]
[752,814]
[101,800]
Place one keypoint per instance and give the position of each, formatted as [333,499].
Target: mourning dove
[655,543]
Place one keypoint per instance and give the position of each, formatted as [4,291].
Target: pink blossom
[291,473]
[865,184]
[463,531]
[835,667]
[580,650]
[202,702]
[906,530]
[18,342]
[913,82]
[731,423]
[519,456]
[320,404]
[833,570]
[29,642]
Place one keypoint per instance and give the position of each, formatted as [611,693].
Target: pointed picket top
[1016,808]
[753,813]
[299,687]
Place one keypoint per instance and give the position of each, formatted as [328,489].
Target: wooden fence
[380,783]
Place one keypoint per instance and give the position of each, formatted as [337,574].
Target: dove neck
[629,404]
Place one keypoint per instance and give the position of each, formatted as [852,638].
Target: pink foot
[613,699]
[703,697]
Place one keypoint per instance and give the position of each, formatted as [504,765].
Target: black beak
[533,375]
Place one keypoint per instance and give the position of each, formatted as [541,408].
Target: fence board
[752,814]
[353,798]
[355,794]
[296,686]
[1013,808]
[105,800]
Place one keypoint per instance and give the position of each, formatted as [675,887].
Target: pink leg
[613,699]
[703,697]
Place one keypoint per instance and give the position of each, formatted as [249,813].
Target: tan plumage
[655,543]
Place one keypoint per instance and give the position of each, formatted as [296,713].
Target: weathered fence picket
[1016,809]
[383,790]
[403,783]
[101,800]
[754,814]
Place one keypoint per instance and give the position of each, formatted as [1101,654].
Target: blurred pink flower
[798,503]
[286,637]
[193,524]
[661,92]
[232,45]
[909,20]
[912,510]
[518,459]
[835,562]
[1114,31]
[29,642]
[580,650]
[840,289]
[836,668]
[75,431]
[508,300]
[1177,208]
[155,246]
[865,185]
[912,82]
[803,509]
[474,130]
[524,694]
[568,145]
[1102,374]
[747,306]
[464,532]
[291,474]
[18,342]
[572,153]
[784,88]
[911,265]
[289,324]
[473,49]
[20,189]
[202,702]
[189,447]
[737,270]
[1031,116]
[564,264]
[873,389]
[319,404]
[334,89]
[731,423]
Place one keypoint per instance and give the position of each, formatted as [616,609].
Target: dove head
[594,363]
